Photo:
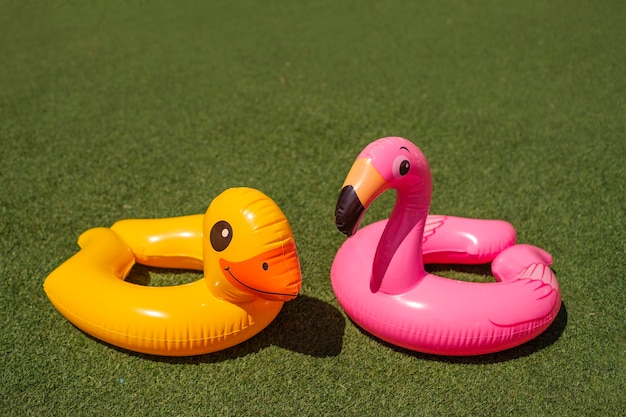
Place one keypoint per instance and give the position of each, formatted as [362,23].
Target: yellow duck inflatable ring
[243,243]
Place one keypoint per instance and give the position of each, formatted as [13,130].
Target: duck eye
[265,266]
[221,235]
[405,165]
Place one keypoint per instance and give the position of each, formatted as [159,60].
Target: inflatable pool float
[378,273]
[244,245]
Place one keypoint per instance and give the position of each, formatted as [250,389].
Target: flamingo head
[386,163]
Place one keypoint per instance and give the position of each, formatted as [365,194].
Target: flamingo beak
[362,185]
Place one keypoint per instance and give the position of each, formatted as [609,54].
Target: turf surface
[111,110]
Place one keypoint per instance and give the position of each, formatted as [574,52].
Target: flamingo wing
[534,292]
[450,239]
[433,222]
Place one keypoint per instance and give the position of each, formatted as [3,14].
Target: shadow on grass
[304,325]
[482,272]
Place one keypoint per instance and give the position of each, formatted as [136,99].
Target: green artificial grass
[112,110]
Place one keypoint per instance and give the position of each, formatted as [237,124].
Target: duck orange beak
[273,275]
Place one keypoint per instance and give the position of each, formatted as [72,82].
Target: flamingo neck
[398,264]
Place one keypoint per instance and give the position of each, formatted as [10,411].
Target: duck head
[249,249]
[391,162]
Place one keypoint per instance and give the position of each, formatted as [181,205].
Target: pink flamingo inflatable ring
[378,273]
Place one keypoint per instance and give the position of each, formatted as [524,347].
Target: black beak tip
[343,228]
[348,211]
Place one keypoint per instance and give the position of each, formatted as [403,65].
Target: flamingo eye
[221,235]
[402,166]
